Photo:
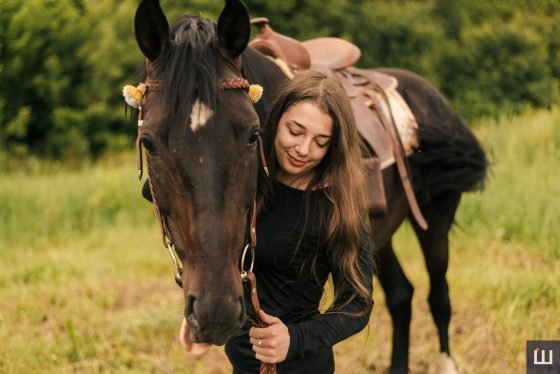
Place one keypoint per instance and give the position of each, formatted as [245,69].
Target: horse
[201,134]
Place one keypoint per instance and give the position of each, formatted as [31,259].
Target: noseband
[232,83]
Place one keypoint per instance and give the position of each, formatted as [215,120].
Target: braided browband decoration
[154,85]
[134,96]
[233,83]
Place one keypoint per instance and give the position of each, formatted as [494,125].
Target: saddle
[383,119]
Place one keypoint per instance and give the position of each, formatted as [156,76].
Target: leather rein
[247,276]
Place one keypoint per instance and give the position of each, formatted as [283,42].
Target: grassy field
[86,287]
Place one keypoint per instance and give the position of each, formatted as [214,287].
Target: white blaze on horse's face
[200,115]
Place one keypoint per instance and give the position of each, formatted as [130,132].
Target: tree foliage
[63,62]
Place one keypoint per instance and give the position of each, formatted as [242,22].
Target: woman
[312,222]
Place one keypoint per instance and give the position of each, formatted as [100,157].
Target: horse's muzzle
[213,322]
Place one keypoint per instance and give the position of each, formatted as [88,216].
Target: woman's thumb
[268,318]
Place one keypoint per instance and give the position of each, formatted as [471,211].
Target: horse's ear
[234,28]
[152,29]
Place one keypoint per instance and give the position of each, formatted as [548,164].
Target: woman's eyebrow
[298,124]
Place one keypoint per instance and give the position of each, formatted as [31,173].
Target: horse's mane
[188,67]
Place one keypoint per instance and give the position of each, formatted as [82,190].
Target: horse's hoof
[446,365]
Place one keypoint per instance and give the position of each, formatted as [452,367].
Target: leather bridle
[247,276]
[231,83]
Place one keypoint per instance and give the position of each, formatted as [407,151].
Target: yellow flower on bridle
[255,92]
[134,95]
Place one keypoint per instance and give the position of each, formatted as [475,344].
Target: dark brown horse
[201,135]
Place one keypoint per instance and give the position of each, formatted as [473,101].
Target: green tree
[63,62]
[38,70]
[498,68]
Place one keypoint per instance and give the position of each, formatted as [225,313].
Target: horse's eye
[149,145]
[253,137]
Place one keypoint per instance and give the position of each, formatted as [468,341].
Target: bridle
[232,83]
[247,276]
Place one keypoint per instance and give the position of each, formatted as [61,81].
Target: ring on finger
[259,342]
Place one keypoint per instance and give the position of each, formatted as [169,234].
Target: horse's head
[200,133]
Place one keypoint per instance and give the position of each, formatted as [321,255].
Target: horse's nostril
[190,305]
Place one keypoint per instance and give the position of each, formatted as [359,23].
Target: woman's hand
[270,343]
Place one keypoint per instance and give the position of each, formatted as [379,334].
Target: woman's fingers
[267,355]
[194,348]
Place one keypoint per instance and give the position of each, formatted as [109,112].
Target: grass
[86,287]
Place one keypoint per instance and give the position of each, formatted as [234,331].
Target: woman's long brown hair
[340,170]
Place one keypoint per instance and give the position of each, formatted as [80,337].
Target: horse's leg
[398,289]
[435,246]
[398,293]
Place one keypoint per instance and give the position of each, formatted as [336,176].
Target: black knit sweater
[290,290]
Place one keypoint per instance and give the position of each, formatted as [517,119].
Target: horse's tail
[450,158]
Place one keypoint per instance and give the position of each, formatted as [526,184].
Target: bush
[498,68]
[63,63]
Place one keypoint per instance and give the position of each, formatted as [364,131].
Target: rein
[247,276]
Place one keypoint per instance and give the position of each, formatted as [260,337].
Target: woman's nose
[302,148]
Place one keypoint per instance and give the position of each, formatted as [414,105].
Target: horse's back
[425,101]
[449,159]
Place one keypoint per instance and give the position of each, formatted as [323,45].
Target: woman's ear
[234,28]
[151,28]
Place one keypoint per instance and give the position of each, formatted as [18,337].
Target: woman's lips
[295,162]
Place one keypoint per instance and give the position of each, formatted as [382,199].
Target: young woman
[312,223]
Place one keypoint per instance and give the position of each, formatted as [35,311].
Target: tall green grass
[53,205]
[85,285]
[522,200]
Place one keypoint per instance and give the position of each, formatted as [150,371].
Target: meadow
[86,286]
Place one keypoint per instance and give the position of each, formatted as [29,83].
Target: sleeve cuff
[294,349]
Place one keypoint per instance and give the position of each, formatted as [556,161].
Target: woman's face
[302,139]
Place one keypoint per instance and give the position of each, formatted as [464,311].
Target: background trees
[63,62]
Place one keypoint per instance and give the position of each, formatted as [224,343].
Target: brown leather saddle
[373,97]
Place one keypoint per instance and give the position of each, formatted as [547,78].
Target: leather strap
[402,167]
[250,288]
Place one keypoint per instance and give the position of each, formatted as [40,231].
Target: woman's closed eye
[294,133]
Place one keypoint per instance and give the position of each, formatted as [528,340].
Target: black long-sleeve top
[289,290]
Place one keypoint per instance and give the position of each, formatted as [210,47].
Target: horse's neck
[258,69]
